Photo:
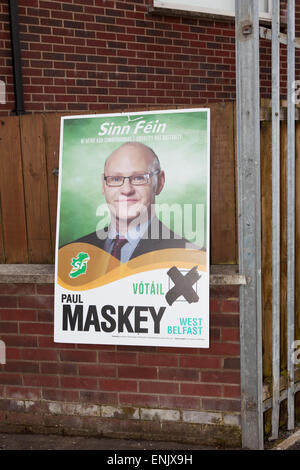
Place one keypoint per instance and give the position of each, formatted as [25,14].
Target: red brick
[11,405]
[40,380]
[23,393]
[181,375]
[13,353]
[230,306]
[17,289]
[96,370]
[74,41]
[173,402]
[41,301]
[63,15]
[157,360]
[45,316]
[231,334]
[78,356]
[200,362]
[39,354]
[223,349]
[224,292]
[137,372]
[23,341]
[8,301]
[159,387]
[63,421]
[232,391]
[8,327]
[201,390]
[48,342]
[60,395]
[104,398]
[36,328]
[118,385]
[29,3]
[210,404]
[219,377]
[118,357]
[46,289]
[96,347]
[171,351]
[58,368]
[22,366]
[38,12]
[215,334]
[10,379]
[224,319]
[79,383]
[232,363]
[139,400]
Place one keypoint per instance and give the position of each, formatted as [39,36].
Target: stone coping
[44,274]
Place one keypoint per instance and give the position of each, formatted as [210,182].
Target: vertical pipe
[291,212]
[16,56]
[275,217]
[249,217]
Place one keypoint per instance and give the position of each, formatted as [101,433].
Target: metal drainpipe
[16,56]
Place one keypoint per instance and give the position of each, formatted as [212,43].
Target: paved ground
[58,442]
[55,442]
[295,446]
[287,440]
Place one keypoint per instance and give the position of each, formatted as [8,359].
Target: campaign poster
[132,250]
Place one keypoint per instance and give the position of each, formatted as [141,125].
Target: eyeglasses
[135,180]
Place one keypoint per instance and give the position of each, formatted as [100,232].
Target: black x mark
[183,285]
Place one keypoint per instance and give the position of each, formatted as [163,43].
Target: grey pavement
[58,442]
[20,441]
[296,446]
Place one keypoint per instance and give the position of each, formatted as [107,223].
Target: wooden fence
[29,153]
[266,194]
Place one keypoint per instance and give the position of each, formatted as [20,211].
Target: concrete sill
[205,16]
[44,274]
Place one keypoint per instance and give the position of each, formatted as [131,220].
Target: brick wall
[81,55]
[117,390]
[86,55]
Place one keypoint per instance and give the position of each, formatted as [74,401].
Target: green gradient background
[184,162]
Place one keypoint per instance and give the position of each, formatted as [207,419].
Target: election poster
[132,249]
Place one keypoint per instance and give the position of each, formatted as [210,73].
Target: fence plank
[35,183]
[290,333]
[12,193]
[223,193]
[52,133]
[276,251]
[2,253]
[266,183]
[266,196]
[297,234]
[283,242]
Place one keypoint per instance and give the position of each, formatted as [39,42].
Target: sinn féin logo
[79,265]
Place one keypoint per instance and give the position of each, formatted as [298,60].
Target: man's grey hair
[156,162]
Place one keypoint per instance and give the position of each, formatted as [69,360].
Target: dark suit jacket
[162,238]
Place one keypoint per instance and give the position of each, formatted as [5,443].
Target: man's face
[129,202]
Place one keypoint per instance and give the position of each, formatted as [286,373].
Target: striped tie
[118,244]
